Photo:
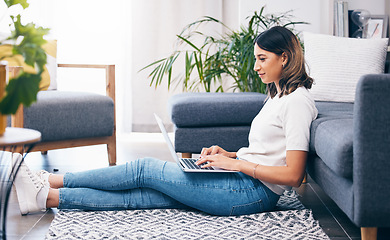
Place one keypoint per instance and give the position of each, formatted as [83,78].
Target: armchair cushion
[75,114]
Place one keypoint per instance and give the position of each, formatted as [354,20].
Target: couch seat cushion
[61,115]
[331,136]
[227,109]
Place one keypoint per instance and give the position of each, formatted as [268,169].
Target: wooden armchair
[85,121]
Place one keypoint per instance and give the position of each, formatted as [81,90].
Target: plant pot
[3,82]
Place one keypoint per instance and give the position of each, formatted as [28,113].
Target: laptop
[186,164]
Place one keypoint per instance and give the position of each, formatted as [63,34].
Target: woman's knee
[145,167]
[145,163]
[142,162]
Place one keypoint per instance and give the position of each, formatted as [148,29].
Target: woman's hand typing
[220,161]
[213,150]
[218,157]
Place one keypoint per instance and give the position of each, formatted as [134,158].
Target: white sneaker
[44,176]
[30,189]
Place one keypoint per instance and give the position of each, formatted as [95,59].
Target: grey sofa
[349,147]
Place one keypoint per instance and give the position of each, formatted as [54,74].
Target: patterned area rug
[290,221]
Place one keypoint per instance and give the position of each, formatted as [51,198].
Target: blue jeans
[151,183]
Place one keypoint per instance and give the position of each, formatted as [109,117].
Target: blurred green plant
[27,41]
[230,55]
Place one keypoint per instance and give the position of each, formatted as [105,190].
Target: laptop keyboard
[190,163]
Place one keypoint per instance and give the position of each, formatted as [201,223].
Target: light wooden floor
[137,145]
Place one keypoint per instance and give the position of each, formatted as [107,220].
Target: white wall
[315,12]
[375,7]
[155,26]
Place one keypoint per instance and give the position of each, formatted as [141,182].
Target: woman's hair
[279,40]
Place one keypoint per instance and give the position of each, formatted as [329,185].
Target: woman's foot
[31,191]
[55,181]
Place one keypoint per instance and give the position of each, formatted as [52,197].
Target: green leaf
[161,72]
[188,60]
[20,90]
[189,43]
[14,2]
[31,46]
[152,64]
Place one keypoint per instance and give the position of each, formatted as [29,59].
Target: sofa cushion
[227,109]
[331,136]
[61,115]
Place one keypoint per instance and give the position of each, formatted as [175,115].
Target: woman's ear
[284,58]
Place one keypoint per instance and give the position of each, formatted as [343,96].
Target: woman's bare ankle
[53,198]
[56,181]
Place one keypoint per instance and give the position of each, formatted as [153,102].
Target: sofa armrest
[215,109]
[371,155]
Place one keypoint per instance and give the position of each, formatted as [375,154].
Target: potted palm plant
[229,56]
[26,40]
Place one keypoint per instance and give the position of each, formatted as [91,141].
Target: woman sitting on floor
[274,161]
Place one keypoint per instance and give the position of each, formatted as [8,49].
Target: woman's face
[268,65]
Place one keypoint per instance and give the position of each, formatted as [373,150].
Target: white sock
[42,197]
